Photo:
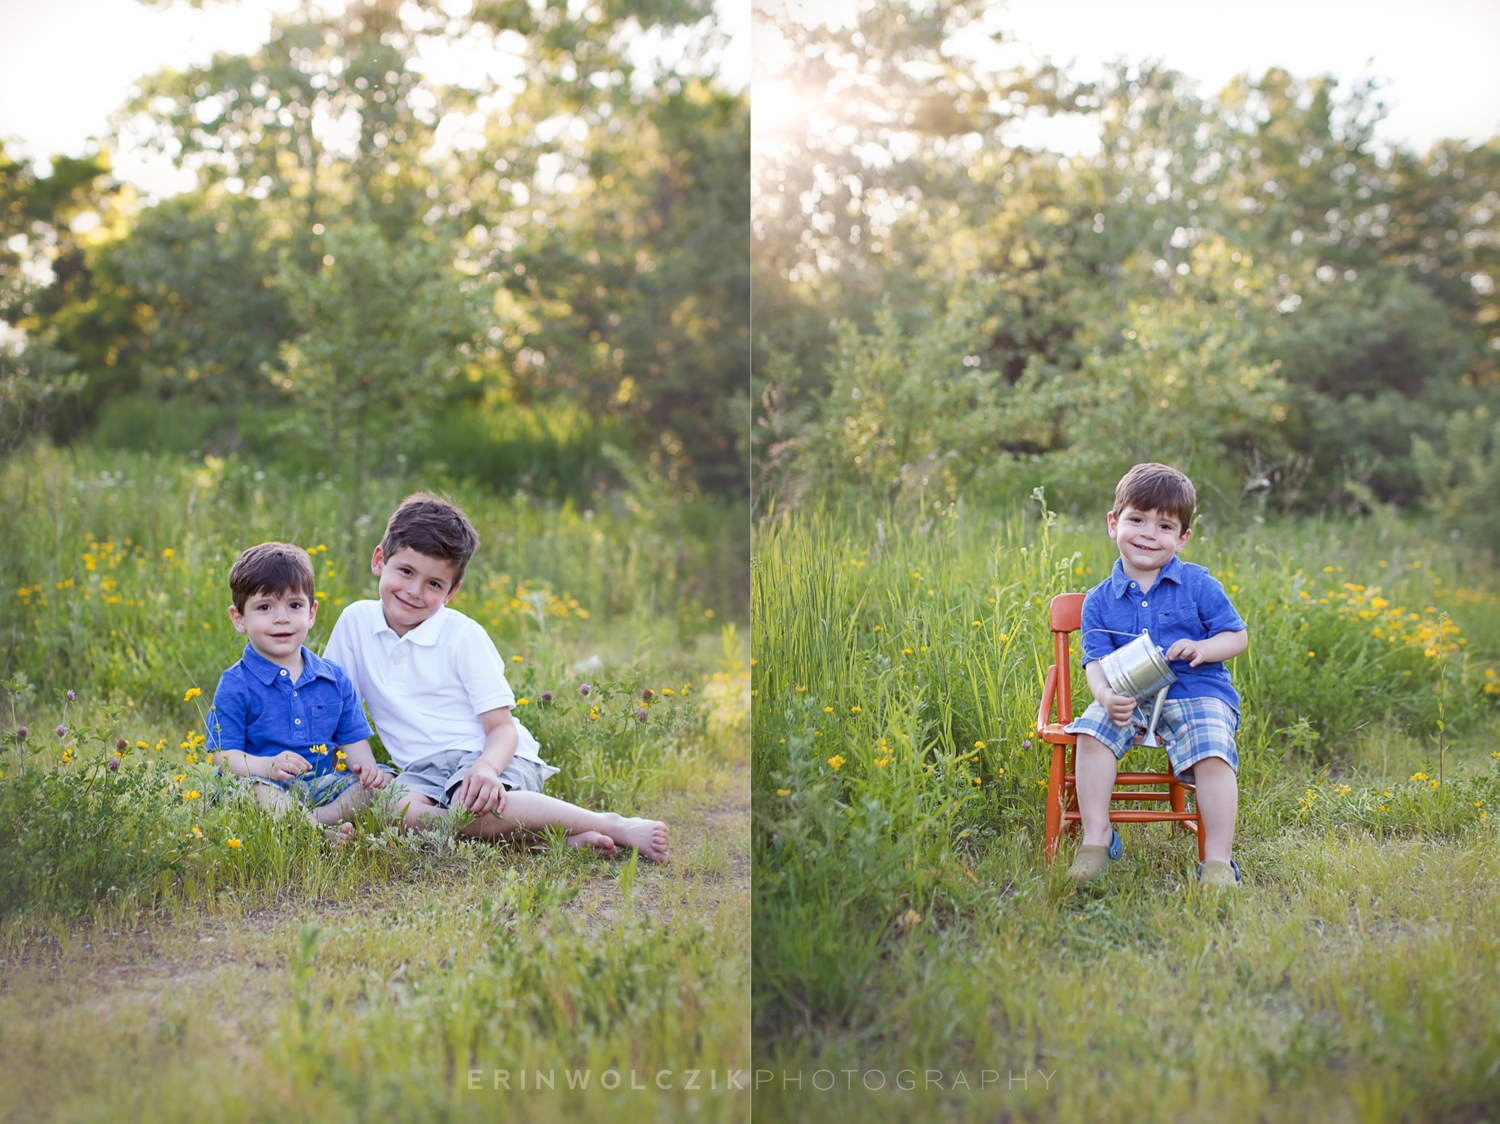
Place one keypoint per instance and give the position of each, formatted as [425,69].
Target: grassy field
[914,956]
[172,953]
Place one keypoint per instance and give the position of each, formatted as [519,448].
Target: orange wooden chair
[1065,614]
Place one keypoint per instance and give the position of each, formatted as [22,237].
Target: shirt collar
[1119,580]
[425,634]
[267,672]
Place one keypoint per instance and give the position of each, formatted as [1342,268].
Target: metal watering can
[1140,670]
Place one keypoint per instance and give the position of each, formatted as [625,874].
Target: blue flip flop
[1117,847]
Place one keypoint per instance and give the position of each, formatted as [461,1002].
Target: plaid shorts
[1190,730]
[310,790]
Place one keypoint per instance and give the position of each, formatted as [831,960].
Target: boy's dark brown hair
[434,526]
[1157,487]
[271,567]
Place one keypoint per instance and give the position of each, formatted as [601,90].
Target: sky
[1438,56]
[1436,59]
[66,65]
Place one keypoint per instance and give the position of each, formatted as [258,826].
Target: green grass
[249,972]
[904,918]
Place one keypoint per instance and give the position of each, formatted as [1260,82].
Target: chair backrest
[1067,612]
[1065,615]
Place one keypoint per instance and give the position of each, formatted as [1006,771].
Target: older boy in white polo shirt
[436,688]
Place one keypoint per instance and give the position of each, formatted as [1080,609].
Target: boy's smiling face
[413,586]
[276,623]
[1148,540]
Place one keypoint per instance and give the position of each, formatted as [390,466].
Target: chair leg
[1054,801]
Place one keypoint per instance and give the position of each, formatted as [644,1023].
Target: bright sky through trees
[1436,59]
[66,65]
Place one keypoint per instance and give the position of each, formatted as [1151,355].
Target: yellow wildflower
[234,843]
[192,693]
[783,792]
[836,762]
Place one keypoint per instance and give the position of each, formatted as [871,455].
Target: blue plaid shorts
[1190,730]
[312,790]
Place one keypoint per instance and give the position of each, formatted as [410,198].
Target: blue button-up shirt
[259,710]
[1185,602]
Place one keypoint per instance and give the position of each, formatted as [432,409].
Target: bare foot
[649,837]
[337,836]
[597,840]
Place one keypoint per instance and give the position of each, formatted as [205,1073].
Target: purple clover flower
[641,715]
[61,730]
[585,689]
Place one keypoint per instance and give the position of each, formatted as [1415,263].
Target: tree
[1317,302]
[384,327]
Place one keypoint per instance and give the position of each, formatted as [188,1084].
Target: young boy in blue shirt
[1189,615]
[436,688]
[282,718]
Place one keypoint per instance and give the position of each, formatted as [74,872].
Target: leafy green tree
[44,268]
[383,328]
[215,320]
[1313,303]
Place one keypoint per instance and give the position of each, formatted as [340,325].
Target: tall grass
[114,570]
[902,912]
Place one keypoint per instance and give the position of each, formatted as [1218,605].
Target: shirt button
[283,671]
[298,721]
[1143,604]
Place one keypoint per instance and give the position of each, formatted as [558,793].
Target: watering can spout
[1151,740]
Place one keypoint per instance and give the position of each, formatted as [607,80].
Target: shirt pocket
[1177,624]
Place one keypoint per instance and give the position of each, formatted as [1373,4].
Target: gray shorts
[438,777]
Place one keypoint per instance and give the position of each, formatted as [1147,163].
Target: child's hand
[370,774]
[1119,708]
[1185,649]
[481,790]
[286,766]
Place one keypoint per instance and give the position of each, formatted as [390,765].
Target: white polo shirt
[426,690]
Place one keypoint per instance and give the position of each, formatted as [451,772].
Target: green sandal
[1093,860]
[1212,872]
